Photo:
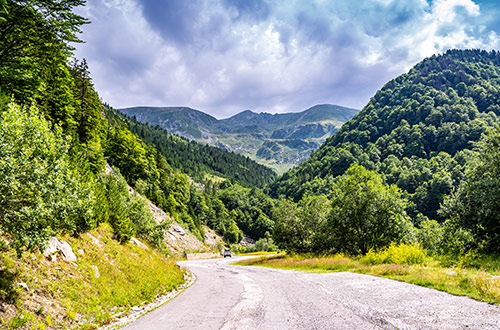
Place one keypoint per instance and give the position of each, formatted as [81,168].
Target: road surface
[242,297]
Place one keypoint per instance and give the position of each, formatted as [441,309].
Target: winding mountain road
[241,297]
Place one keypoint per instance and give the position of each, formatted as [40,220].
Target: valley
[99,207]
[279,141]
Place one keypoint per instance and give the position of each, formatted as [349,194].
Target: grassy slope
[69,295]
[475,277]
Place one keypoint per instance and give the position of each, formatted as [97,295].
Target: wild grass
[474,275]
[107,279]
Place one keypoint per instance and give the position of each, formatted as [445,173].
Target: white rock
[178,229]
[96,271]
[23,285]
[56,245]
[135,241]
[66,251]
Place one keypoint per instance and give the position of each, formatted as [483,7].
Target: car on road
[227,253]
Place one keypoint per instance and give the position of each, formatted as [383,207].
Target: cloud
[228,55]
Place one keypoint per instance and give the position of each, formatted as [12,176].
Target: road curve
[242,297]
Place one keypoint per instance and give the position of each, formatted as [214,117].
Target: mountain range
[280,141]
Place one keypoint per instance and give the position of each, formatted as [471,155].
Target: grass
[107,279]
[475,276]
[257,253]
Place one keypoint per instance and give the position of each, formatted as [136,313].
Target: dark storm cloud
[174,19]
[223,56]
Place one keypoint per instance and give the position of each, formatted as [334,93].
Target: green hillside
[270,139]
[418,131]
[57,140]
[198,160]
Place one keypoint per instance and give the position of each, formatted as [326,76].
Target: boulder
[56,246]
[135,241]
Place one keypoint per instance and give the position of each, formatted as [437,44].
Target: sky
[226,56]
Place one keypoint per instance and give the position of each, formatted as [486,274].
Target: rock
[23,285]
[95,240]
[135,241]
[80,252]
[247,241]
[179,229]
[66,251]
[51,249]
[96,271]
[56,246]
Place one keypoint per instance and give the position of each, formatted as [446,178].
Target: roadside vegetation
[107,280]
[473,275]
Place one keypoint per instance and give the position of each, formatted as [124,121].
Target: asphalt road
[241,297]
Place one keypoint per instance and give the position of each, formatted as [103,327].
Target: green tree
[40,192]
[475,206]
[302,227]
[35,41]
[366,214]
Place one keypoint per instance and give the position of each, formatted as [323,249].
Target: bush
[430,236]
[41,193]
[145,224]
[473,206]
[301,228]
[402,254]
[264,244]
[118,199]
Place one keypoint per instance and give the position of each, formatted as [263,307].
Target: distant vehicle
[227,253]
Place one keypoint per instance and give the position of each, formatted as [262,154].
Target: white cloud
[277,56]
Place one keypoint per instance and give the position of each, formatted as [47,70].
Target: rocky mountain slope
[280,141]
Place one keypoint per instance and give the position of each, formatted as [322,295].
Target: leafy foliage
[302,227]
[251,209]
[366,214]
[362,214]
[418,131]
[474,206]
[402,254]
[40,191]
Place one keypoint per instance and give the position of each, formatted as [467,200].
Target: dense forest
[58,139]
[420,151]
[419,133]
[197,160]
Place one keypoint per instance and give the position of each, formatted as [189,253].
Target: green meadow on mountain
[280,141]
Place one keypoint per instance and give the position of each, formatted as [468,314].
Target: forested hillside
[56,140]
[280,140]
[198,160]
[418,131]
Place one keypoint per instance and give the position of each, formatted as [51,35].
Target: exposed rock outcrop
[55,246]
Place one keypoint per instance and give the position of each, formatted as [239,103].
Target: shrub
[402,254]
[41,193]
[430,236]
